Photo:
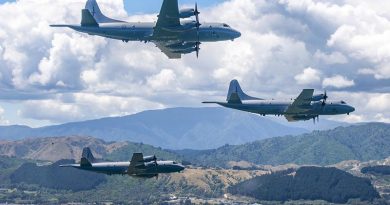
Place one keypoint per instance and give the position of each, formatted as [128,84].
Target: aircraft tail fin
[93,7]
[87,157]
[236,95]
[87,19]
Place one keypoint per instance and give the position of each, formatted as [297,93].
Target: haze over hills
[58,148]
[359,142]
[54,149]
[175,128]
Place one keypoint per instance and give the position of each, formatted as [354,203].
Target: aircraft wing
[291,118]
[302,102]
[169,17]
[167,51]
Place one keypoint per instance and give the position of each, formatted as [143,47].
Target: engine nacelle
[185,26]
[150,164]
[304,117]
[186,13]
[318,97]
[181,46]
[150,158]
[185,51]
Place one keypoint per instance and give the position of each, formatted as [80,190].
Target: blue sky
[52,76]
[152,6]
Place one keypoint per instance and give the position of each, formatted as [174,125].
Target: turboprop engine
[150,158]
[186,13]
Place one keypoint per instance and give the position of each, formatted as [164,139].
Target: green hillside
[56,177]
[308,183]
[360,142]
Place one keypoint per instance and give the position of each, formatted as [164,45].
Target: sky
[52,76]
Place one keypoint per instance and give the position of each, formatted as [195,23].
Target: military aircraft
[305,107]
[171,35]
[139,166]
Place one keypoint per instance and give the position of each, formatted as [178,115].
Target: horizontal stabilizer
[210,102]
[60,25]
[69,165]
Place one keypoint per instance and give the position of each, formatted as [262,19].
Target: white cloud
[163,80]
[308,77]
[379,103]
[84,106]
[332,58]
[369,106]
[337,81]
[352,118]
[3,121]
[279,38]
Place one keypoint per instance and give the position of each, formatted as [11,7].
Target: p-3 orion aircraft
[139,166]
[305,107]
[171,35]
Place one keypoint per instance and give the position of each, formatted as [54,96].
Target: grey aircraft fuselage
[139,166]
[127,31]
[121,168]
[305,107]
[173,33]
[273,107]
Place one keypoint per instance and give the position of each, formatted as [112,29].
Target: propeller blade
[155,159]
[197,48]
[325,96]
[196,12]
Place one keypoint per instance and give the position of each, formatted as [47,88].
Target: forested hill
[359,142]
[307,183]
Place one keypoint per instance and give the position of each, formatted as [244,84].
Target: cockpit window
[225,25]
[343,102]
[174,162]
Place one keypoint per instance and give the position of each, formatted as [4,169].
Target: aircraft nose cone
[237,34]
[352,109]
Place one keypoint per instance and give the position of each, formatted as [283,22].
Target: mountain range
[175,128]
[358,142]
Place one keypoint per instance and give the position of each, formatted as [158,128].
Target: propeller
[155,159]
[325,98]
[196,12]
[316,117]
[197,49]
